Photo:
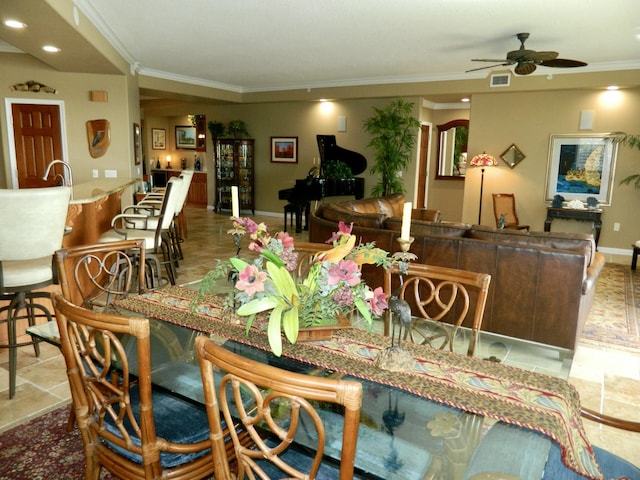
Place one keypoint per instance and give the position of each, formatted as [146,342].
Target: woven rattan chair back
[273,405]
[94,276]
[439,294]
[114,409]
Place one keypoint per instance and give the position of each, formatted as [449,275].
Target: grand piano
[315,188]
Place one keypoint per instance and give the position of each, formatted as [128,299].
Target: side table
[594,216]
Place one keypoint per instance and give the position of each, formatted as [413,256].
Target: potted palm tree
[632,141]
[394,132]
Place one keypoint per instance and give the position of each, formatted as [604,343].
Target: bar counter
[92,207]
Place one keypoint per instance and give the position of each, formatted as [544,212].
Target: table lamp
[483,160]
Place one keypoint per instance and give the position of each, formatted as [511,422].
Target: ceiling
[261,46]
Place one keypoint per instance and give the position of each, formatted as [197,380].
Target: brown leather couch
[542,283]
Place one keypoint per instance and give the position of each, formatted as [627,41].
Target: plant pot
[324,332]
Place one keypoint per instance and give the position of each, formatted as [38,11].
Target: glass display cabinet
[234,166]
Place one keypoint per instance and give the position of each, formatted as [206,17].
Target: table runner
[543,403]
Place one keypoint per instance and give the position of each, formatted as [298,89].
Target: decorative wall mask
[99,137]
[33,86]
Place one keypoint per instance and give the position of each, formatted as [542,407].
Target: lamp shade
[483,160]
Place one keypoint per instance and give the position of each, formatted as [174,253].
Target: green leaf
[362,308]
[273,331]
[283,282]
[259,305]
[238,263]
[272,257]
[290,324]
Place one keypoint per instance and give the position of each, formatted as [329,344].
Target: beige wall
[528,119]
[122,110]
[304,120]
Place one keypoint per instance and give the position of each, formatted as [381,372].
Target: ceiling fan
[526,61]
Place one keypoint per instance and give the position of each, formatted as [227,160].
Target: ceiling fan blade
[539,57]
[525,68]
[493,60]
[489,66]
[563,63]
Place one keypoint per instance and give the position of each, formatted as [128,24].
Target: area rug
[43,449]
[613,321]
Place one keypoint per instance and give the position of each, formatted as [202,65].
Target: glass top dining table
[405,432]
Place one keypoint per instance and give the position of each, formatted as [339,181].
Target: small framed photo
[581,166]
[158,139]
[186,137]
[284,149]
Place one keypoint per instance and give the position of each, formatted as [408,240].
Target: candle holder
[405,243]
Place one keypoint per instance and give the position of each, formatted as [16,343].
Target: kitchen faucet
[69,182]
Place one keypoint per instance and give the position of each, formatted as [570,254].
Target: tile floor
[607,379]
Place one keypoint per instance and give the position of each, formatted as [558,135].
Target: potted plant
[237,129]
[216,128]
[632,141]
[394,133]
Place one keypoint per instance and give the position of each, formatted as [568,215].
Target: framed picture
[186,137]
[284,149]
[158,139]
[581,166]
[136,143]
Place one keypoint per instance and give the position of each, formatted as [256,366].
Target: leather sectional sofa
[542,283]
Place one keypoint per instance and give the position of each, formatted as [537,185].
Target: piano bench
[296,208]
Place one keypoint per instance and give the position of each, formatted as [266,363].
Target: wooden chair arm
[609,420]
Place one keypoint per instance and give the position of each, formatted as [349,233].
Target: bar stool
[33,224]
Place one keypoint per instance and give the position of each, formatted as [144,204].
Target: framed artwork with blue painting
[581,166]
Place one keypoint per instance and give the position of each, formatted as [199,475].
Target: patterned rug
[614,318]
[43,449]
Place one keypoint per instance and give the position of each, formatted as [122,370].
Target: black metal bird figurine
[400,314]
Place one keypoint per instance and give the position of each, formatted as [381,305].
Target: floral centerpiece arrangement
[331,285]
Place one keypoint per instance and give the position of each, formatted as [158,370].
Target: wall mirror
[512,156]
[452,149]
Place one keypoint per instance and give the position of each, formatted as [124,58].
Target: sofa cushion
[389,206]
[574,242]
[336,212]
[419,227]
[425,215]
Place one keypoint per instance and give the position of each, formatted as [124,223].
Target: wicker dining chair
[438,294]
[128,428]
[94,276]
[306,253]
[274,405]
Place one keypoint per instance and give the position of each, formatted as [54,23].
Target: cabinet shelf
[234,166]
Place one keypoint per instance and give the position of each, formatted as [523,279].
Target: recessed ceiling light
[612,87]
[15,24]
[465,100]
[51,49]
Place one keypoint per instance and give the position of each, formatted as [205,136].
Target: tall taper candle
[235,205]
[406,221]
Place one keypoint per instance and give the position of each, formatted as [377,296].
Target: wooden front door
[38,141]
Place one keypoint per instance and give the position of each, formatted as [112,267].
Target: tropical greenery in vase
[331,285]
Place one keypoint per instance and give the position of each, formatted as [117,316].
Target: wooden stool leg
[634,257]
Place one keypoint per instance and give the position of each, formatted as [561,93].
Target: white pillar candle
[406,221]
[235,204]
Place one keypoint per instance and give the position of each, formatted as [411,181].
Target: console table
[593,216]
